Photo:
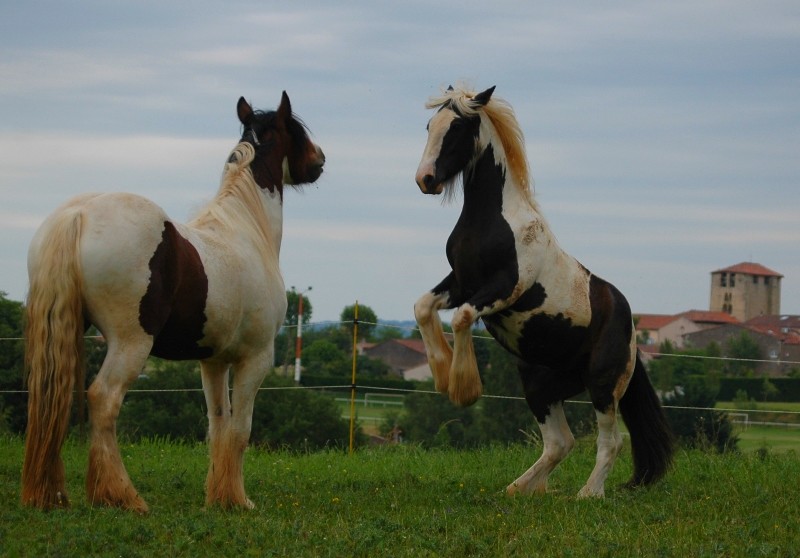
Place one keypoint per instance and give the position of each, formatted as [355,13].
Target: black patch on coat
[531,299]
[481,249]
[612,327]
[173,308]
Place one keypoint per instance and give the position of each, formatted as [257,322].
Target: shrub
[699,428]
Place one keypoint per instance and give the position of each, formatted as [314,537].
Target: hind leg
[107,481]
[558,442]
[225,485]
[609,444]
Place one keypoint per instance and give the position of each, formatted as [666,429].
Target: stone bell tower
[746,290]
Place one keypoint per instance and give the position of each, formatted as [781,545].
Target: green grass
[776,406]
[371,413]
[403,501]
[772,438]
[758,437]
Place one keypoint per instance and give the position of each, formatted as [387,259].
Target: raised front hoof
[464,396]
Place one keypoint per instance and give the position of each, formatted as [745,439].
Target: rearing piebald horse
[570,330]
[209,290]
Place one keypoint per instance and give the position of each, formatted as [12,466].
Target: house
[779,350]
[786,330]
[400,354]
[654,329]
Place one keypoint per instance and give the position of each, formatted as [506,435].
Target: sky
[664,138]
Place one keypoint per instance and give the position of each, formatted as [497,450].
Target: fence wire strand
[331,323]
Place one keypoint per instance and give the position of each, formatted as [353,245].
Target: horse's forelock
[503,120]
[459,99]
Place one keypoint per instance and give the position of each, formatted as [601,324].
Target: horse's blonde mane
[505,124]
[239,202]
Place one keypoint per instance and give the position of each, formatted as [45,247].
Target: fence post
[353,379]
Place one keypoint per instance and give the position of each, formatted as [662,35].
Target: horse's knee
[423,309]
[464,318]
[561,447]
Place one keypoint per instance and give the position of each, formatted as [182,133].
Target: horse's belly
[540,338]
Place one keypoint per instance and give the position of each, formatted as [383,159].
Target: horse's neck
[490,186]
[259,223]
[273,210]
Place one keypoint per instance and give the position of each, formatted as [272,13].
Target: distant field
[371,409]
[371,414]
[770,425]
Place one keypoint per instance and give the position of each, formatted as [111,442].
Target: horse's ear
[482,98]
[285,108]
[450,88]
[245,111]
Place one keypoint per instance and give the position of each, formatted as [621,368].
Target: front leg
[440,355]
[465,382]
[225,484]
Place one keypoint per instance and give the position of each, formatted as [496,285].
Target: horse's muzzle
[428,185]
[315,168]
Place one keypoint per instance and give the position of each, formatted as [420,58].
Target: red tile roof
[784,327]
[413,344]
[749,268]
[779,322]
[708,317]
[653,322]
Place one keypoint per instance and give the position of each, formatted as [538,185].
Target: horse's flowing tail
[53,358]
[652,441]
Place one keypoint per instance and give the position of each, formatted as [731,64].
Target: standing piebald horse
[209,290]
[569,329]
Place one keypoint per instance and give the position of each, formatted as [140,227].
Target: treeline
[167,400]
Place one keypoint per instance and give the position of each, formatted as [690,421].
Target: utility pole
[298,348]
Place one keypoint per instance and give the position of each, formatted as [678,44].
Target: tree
[298,419]
[431,420]
[293,307]
[367,320]
[699,427]
[742,347]
[175,408]
[285,341]
[502,420]
[667,372]
[324,358]
[13,406]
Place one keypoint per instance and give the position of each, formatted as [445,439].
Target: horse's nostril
[427,180]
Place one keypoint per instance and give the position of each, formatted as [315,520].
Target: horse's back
[119,233]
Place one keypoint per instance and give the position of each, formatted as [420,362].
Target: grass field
[403,501]
[778,436]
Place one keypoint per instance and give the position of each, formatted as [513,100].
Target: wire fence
[738,414]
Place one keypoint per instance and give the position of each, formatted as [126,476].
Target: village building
[745,291]
[406,357]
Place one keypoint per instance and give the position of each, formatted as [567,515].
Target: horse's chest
[479,248]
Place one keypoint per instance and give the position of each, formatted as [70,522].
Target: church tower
[746,290]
